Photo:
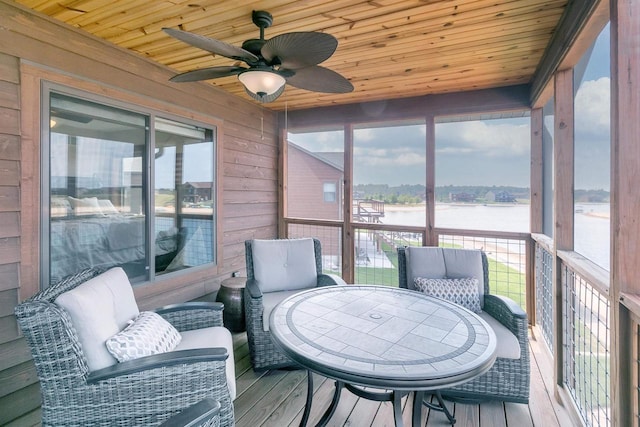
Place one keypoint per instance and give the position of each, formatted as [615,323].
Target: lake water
[592,229]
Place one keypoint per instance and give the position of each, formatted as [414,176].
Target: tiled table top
[383,336]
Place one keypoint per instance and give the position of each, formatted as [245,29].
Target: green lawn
[503,280]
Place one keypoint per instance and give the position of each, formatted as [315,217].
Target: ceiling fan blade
[206,74]
[300,50]
[320,79]
[212,45]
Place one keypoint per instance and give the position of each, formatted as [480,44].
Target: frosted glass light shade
[261,82]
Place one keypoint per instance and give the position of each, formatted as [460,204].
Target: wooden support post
[283,145]
[625,200]
[348,270]
[563,160]
[431,235]
[536,207]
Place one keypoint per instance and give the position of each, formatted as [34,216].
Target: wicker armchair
[205,413]
[509,378]
[145,391]
[259,302]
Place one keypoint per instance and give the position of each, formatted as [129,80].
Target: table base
[394,396]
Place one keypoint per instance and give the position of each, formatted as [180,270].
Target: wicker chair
[205,413]
[264,353]
[509,378]
[146,391]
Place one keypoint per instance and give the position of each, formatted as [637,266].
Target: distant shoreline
[444,205]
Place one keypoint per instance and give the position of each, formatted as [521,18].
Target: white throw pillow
[147,335]
[85,206]
[462,291]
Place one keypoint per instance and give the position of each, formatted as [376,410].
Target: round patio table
[382,337]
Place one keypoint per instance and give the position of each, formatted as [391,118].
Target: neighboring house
[504,197]
[462,197]
[195,192]
[500,197]
[315,182]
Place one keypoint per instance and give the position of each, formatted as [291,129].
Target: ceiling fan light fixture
[261,82]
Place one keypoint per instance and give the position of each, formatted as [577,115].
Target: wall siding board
[9,121]
[9,71]
[9,224]
[13,353]
[8,300]
[17,377]
[9,172]
[9,200]
[31,52]
[9,95]
[8,276]
[19,403]
[244,171]
[9,147]
[9,250]
[8,330]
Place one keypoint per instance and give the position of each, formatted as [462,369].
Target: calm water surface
[591,223]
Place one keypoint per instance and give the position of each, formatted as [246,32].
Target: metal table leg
[334,404]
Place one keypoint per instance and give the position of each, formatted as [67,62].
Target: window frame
[135,105]
[334,192]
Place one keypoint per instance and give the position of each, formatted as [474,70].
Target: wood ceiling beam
[481,101]
[572,22]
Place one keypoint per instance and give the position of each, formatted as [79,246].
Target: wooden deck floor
[276,398]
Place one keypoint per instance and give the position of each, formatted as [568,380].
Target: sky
[487,152]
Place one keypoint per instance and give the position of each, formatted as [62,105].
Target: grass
[503,280]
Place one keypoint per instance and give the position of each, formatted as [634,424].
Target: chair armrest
[330,279]
[195,415]
[507,312]
[253,289]
[163,360]
[508,304]
[192,315]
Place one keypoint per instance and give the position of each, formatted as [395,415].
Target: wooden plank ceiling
[387,48]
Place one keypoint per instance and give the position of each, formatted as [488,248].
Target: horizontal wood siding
[32,51]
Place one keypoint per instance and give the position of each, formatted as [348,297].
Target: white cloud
[592,107]
[484,138]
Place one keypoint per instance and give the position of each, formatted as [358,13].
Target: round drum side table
[231,294]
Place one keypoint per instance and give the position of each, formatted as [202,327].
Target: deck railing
[375,251]
[586,302]
[586,338]
[507,253]
[544,288]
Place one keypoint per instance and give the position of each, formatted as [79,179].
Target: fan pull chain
[262,125]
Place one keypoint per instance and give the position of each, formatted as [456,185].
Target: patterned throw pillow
[148,334]
[463,292]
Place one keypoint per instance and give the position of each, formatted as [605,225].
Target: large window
[389,175]
[482,174]
[125,188]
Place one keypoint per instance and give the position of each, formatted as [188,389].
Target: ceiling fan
[288,58]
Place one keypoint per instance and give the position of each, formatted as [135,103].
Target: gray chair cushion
[286,264]
[270,300]
[508,346]
[215,336]
[100,308]
[461,263]
[424,262]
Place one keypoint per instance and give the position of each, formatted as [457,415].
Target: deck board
[277,398]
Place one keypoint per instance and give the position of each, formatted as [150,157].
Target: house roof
[196,184]
[387,48]
[333,159]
